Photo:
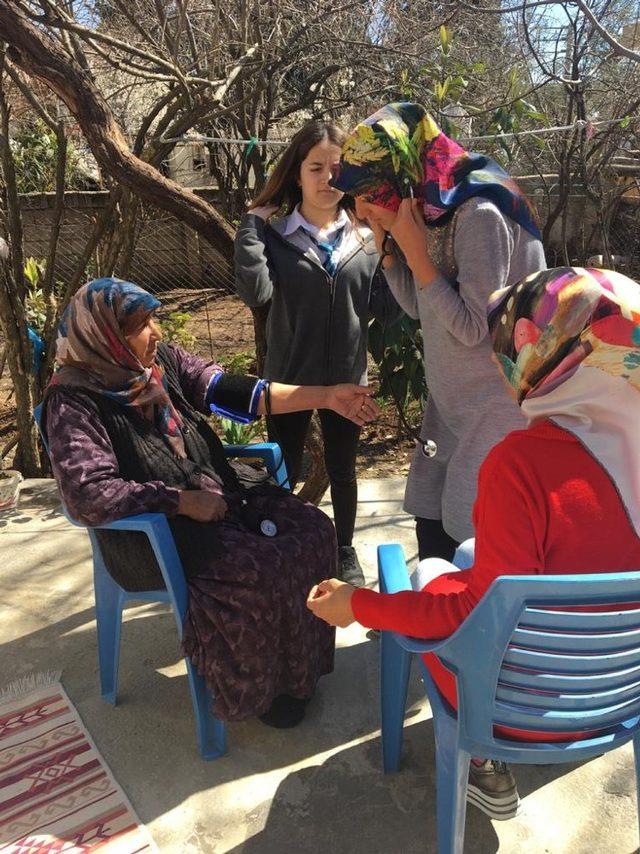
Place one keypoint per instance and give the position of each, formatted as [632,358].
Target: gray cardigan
[317,326]
[469,408]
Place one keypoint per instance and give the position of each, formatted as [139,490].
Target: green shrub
[397,350]
[35,304]
[240,434]
[243,362]
[174,329]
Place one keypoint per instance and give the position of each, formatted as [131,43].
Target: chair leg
[109,601]
[452,773]
[395,667]
[211,732]
[636,757]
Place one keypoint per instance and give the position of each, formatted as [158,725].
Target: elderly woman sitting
[124,420]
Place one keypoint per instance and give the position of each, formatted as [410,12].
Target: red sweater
[544,505]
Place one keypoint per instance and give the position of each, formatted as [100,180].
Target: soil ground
[223,328]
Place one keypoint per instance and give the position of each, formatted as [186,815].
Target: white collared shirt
[297,230]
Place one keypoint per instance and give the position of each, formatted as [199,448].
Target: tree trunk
[317,479]
[24,382]
[12,309]
[26,399]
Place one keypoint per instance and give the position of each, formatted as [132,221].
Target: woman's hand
[410,233]
[264,211]
[381,238]
[353,402]
[379,234]
[331,601]
[409,229]
[201,505]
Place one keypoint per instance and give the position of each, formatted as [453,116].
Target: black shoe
[492,788]
[285,712]
[349,568]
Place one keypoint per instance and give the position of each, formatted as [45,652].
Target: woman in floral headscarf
[562,496]
[466,232]
[124,415]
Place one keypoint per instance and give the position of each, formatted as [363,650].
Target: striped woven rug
[56,793]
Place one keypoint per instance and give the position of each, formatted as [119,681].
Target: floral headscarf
[400,149]
[92,352]
[568,343]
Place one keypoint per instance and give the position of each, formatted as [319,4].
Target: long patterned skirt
[248,630]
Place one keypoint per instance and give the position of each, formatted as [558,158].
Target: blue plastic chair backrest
[526,660]
[37,416]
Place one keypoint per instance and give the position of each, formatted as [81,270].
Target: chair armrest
[393,575]
[417,645]
[270,452]
[262,450]
[147,522]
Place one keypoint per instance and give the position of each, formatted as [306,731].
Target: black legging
[340,448]
[433,540]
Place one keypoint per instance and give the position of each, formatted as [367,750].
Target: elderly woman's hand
[331,601]
[353,402]
[201,505]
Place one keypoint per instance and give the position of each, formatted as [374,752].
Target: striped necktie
[330,248]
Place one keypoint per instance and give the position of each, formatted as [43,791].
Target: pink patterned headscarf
[568,343]
[400,150]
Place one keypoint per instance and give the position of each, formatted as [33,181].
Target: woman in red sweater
[562,496]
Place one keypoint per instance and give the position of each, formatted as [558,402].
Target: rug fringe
[30,682]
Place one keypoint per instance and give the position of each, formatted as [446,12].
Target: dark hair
[282,188]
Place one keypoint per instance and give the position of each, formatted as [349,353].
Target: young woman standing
[459,229]
[301,248]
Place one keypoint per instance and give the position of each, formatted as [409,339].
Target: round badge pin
[268,528]
[429,448]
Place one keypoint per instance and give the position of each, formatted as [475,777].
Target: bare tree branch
[40,56]
[618,48]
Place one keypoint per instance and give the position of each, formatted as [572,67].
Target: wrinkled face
[374,213]
[143,343]
[316,171]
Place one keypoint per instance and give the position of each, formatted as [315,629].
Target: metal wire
[579,123]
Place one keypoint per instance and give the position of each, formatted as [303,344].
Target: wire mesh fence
[168,258]
[191,275]
[167,254]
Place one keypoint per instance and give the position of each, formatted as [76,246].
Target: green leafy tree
[35,153]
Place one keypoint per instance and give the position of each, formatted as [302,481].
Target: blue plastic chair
[520,664]
[111,598]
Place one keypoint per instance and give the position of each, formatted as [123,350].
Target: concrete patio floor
[317,788]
